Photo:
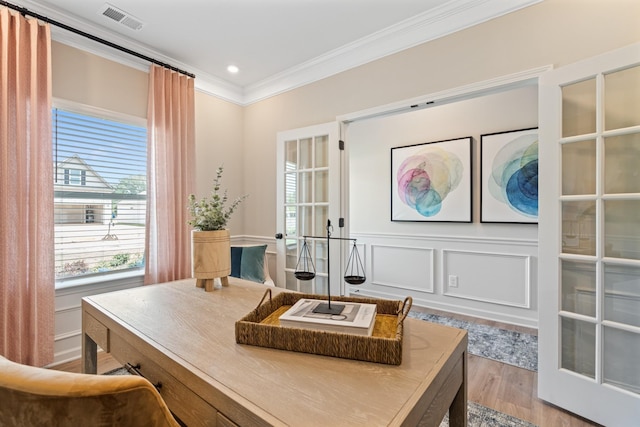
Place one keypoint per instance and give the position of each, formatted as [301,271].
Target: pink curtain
[171,155]
[27,278]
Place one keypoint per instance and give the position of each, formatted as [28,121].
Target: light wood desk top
[185,338]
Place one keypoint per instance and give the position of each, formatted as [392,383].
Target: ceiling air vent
[120,16]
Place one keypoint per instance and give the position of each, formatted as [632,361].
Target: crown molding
[452,16]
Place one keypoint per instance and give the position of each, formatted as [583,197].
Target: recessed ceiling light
[232,69]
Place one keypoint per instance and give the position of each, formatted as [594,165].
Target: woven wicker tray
[261,327]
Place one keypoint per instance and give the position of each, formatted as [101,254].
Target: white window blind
[100,192]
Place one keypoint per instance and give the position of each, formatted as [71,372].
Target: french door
[308,197]
[589,238]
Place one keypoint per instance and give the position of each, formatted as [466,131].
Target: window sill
[99,279]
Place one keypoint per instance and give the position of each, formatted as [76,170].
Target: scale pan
[304,275]
[354,280]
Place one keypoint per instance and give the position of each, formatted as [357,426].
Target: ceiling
[276,44]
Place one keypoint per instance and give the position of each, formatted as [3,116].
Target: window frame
[79,108]
[74,176]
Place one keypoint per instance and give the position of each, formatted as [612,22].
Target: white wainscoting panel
[498,278]
[403,267]
[68,313]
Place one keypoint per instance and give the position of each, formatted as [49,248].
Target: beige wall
[556,32]
[82,77]
[88,79]
[219,142]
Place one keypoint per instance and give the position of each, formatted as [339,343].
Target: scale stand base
[325,308]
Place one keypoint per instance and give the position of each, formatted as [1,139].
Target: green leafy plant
[212,213]
[119,259]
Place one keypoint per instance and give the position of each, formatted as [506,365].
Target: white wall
[495,264]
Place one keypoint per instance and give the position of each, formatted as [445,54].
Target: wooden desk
[183,338]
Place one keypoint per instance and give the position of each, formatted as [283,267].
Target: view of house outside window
[100,191]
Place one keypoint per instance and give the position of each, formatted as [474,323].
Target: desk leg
[458,408]
[89,355]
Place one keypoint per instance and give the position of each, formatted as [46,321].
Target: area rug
[117,371]
[481,416]
[515,348]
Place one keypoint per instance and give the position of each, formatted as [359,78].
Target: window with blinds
[100,192]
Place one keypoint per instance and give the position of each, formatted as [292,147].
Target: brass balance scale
[354,272]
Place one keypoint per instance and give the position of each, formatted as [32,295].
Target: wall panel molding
[497,278]
[481,313]
[403,267]
[454,239]
[68,312]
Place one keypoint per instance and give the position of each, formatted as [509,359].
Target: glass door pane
[622,101]
[579,108]
[322,157]
[621,359]
[291,155]
[621,294]
[306,153]
[322,186]
[578,347]
[291,259]
[622,229]
[578,287]
[622,163]
[579,168]
[579,227]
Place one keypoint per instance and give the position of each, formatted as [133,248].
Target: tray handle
[267,292]
[406,306]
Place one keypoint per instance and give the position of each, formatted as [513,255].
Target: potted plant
[210,239]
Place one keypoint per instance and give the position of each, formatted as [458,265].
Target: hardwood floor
[513,391]
[510,389]
[496,385]
[106,363]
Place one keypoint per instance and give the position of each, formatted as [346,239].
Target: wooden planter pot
[211,252]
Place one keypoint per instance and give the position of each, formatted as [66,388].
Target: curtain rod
[23,11]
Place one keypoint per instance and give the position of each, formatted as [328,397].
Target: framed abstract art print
[509,176]
[432,181]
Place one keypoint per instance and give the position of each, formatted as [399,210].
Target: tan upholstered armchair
[32,396]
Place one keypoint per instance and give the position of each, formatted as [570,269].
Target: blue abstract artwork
[509,169]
